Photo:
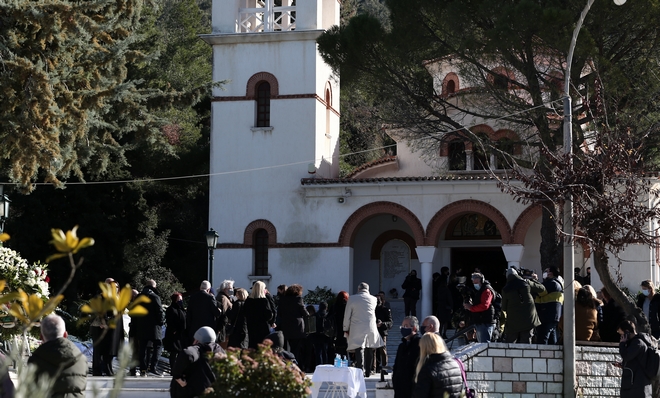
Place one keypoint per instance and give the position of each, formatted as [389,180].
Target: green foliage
[319,295]
[257,374]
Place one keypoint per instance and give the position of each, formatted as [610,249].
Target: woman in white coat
[360,327]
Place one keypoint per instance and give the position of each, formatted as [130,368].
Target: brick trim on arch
[364,213]
[248,236]
[524,221]
[250,89]
[455,209]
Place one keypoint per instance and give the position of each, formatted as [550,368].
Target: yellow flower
[115,303]
[4,237]
[67,243]
[30,308]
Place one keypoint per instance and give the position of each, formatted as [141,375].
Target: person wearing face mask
[412,286]
[518,304]
[649,302]
[430,324]
[403,371]
[549,305]
[481,308]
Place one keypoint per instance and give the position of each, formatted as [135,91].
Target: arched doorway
[474,243]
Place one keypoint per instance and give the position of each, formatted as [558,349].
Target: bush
[257,374]
[319,295]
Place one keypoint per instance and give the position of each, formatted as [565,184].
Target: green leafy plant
[319,295]
[256,374]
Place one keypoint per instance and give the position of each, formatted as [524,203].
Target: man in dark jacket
[405,362]
[202,310]
[549,307]
[59,358]
[412,286]
[632,347]
[481,307]
[518,304]
[384,323]
[192,373]
[150,331]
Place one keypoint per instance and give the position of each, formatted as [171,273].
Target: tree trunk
[550,248]
[620,298]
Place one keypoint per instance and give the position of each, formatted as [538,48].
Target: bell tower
[275,119]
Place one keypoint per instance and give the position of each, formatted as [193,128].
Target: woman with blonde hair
[259,314]
[438,374]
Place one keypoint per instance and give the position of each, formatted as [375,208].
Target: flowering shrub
[257,374]
[19,274]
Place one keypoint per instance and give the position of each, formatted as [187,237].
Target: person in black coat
[403,371]
[107,341]
[613,315]
[443,301]
[175,333]
[292,315]
[150,330]
[337,314]
[259,315]
[412,286]
[384,323]
[238,337]
[438,375]
[202,311]
[192,373]
[633,346]
[649,302]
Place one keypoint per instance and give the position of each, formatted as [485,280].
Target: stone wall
[499,370]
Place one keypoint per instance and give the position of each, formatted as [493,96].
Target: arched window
[456,155]
[480,153]
[451,87]
[261,252]
[328,107]
[263,104]
[503,154]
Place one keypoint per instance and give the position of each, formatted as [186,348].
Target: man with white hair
[202,310]
[224,300]
[59,358]
[360,327]
[192,373]
[430,324]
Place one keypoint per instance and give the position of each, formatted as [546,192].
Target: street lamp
[211,241]
[569,254]
[4,208]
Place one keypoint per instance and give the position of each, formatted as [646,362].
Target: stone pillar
[425,255]
[513,254]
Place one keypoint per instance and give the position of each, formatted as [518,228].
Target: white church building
[284,216]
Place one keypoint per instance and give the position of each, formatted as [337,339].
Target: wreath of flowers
[19,274]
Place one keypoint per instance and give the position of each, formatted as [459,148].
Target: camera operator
[518,304]
[480,305]
[412,285]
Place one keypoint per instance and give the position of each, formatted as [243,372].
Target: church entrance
[489,260]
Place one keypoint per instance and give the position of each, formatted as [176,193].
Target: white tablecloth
[352,377]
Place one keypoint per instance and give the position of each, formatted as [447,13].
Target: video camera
[525,273]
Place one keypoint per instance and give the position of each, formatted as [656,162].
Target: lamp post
[569,253]
[211,241]
[4,208]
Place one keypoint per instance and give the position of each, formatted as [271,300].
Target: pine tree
[69,107]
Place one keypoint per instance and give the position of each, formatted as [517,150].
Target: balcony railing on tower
[268,16]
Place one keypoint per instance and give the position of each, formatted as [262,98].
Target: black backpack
[652,361]
[497,303]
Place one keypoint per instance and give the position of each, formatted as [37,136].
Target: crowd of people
[527,310]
